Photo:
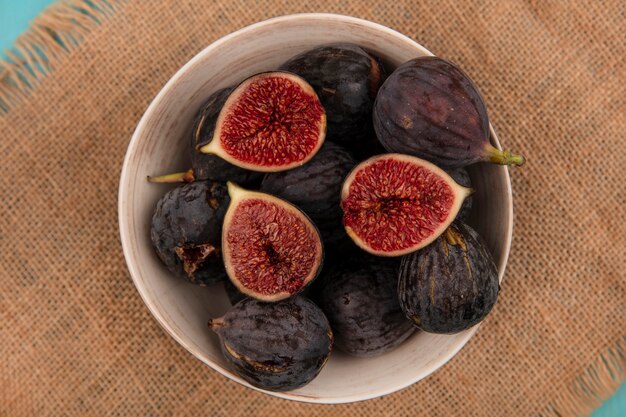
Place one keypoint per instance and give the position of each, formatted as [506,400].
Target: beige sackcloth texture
[75,337]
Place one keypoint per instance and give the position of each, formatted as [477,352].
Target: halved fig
[394,204]
[271,122]
[271,249]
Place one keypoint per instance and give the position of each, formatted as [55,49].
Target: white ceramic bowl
[158,147]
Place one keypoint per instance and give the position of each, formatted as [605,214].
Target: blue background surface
[15,16]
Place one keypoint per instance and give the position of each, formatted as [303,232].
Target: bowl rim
[125,229]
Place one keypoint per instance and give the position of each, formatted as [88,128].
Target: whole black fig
[186,231]
[316,188]
[275,346]
[346,78]
[450,285]
[360,299]
[431,109]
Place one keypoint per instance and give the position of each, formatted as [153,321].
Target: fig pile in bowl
[333,204]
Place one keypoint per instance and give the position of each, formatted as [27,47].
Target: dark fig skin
[316,188]
[275,346]
[461,177]
[233,294]
[360,299]
[431,109]
[346,78]
[210,166]
[450,285]
[186,231]
[371,147]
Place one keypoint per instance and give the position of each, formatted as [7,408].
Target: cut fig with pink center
[271,122]
[271,249]
[394,204]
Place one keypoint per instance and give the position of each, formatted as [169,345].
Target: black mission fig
[275,346]
[186,231]
[450,285]
[429,108]
[316,188]
[359,297]
[346,79]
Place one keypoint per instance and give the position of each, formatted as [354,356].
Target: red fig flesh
[395,204]
[271,122]
[271,249]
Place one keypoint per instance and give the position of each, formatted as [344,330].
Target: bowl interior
[158,146]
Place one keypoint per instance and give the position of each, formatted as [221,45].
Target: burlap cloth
[75,337]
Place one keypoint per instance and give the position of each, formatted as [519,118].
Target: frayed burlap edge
[51,37]
[594,386]
[60,29]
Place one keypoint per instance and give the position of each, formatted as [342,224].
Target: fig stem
[215,324]
[186,176]
[503,157]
